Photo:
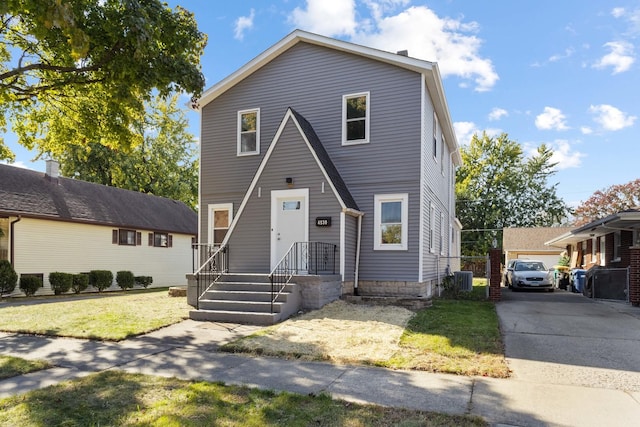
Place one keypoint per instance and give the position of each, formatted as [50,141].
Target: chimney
[402,53]
[52,171]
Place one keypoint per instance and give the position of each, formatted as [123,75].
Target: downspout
[11,244]
[357,270]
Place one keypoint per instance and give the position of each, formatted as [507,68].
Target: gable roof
[28,193]
[328,169]
[529,238]
[429,70]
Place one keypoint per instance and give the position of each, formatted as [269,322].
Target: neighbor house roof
[29,193]
[625,220]
[429,70]
[530,238]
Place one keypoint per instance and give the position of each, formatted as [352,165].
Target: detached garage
[529,243]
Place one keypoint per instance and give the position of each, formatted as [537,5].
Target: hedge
[60,282]
[100,279]
[125,279]
[8,277]
[30,285]
[80,282]
[144,281]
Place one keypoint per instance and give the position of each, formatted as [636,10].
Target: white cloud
[243,23]
[611,118]
[617,12]
[586,130]
[328,17]
[465,131]
[620,58]
[497,114]
[566,54]
[450,42]
[551,118]
[564,155]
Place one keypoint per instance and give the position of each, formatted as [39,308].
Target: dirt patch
[340,332]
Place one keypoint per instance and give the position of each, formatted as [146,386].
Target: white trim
[378,199]
[442,239]
[275,195]
[367,118]
[239,133]
[343,241]
[432,227]
[289,115]
[423,180]
[214,207]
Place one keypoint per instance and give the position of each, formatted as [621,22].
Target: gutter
[358,214]
[11,238]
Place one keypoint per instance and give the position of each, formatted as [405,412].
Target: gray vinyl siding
[250,242]
[312,80]
[351,235]
[435,192]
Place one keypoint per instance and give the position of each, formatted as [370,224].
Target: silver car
[529,274]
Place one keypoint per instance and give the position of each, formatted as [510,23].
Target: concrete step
[240,306]
[244,277]
[249,318]
[236,295]
[247,286]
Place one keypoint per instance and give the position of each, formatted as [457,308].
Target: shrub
[125,279]
[60,282]
[144,281]
[80,282]
[100,279]
[30,285]
[8,277]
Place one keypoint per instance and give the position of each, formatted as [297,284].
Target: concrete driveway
[566,338]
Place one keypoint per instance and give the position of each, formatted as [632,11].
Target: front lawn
[453,336]
[101,317]
[14,366]
[117,398]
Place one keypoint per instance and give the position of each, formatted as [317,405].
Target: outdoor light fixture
[289,182]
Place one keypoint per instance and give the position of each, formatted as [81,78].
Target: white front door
[289,221]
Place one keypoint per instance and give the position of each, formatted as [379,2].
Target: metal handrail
[307,257]
[216,265]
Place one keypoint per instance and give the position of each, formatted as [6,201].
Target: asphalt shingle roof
[326,161]
[33,194]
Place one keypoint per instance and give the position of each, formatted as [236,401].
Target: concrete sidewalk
[188,351]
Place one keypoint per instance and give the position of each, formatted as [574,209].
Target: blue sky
[563,73]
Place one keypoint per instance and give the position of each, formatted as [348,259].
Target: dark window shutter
[138,238]
[114,237]
[170,239]
[150,239]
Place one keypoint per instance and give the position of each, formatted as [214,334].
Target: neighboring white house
[49,223]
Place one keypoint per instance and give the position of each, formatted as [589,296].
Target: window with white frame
[442,156]
[249,132]
[220,216]
[355,118]
[603,251]
[435,136]
[432,227]
[391,221]
[441,233]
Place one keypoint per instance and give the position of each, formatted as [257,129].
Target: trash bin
[578,279]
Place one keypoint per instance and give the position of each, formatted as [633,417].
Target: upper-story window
[355,118]
[435,136]
[248,132]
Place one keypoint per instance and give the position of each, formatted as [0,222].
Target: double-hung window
[125,237]
[249,132]
[160,240]
[435,136]
[355,118]
[391,221]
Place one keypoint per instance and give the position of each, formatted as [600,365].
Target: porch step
[262,319]
[246,298]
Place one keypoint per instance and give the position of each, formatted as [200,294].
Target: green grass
[105,317]
[118,398]
[453,336]
[13,366]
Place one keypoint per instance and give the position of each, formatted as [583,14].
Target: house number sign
[323,221]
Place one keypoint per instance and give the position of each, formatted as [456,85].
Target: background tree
[608,201]
[164,163]
[498,186]
[93,63]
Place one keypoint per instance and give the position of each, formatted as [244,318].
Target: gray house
[326,158]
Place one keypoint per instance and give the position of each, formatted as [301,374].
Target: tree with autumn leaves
[608,201]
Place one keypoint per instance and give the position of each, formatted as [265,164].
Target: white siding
[42,246]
